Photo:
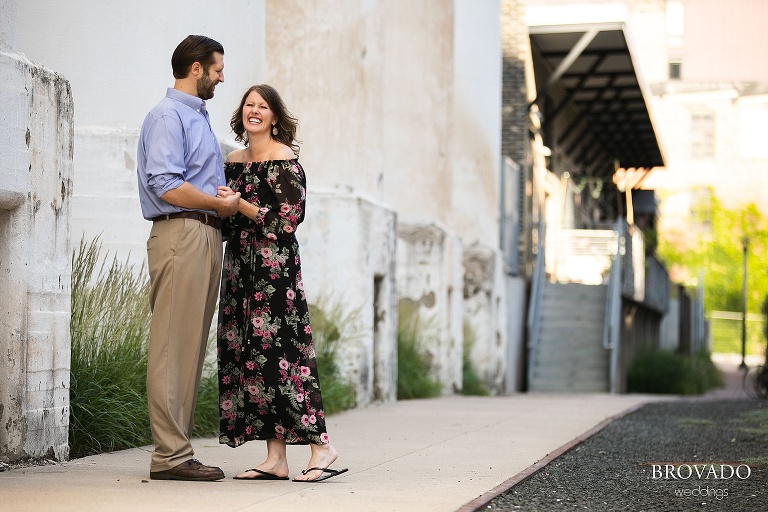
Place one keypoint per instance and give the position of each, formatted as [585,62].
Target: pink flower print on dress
[266,252]
[257,321]
[279,429]
[324,438]
[305,371]
[283,364]
[226,404]
[253,390]
[272,236]
[250,365]
[307,329]
[300,397]
[285,208]
[288,229]
[230,335]
[312,419]
[305,420]
[290,294]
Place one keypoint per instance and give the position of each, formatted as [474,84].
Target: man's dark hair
[194,49]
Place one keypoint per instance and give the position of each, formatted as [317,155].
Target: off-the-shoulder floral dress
[268,383]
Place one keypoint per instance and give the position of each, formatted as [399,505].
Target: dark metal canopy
[590,96]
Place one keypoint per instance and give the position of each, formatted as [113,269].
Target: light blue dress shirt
[177,144]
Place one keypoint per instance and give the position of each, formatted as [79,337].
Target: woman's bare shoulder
[283,152]
[238,155]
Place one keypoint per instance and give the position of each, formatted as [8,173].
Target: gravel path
[649,459]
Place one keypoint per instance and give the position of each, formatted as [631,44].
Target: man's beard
[205,88]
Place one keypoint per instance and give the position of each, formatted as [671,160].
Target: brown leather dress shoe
[192,469]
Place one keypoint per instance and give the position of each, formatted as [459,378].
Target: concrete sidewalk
[420,455]
[440,455]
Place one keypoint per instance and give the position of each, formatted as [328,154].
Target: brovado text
[700,471]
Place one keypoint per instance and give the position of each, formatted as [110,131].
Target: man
[180,172]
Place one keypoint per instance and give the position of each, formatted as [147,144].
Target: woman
[268,383]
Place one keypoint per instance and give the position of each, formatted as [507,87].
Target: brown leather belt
[208,220]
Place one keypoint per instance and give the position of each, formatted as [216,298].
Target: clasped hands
[229,201]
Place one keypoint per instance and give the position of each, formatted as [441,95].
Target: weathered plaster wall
[484,305]
[417,76]
[326,59]
[117,56]
[476,123]
[430,278]
[348,259]
[36,146]
[398,105]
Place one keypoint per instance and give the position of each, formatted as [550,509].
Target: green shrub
[331,327]
[665,372]
[471,383]
[414,372]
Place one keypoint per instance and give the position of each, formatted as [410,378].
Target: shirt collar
[193,102]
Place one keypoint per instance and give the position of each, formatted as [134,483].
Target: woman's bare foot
[278,471]
[323,455]
[276,463]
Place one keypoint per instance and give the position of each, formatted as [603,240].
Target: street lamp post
[743,365]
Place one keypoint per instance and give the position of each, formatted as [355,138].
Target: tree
[712,244]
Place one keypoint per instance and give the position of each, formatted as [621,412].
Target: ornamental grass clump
[414,371]
[109,327]
[471,383]
[332,327]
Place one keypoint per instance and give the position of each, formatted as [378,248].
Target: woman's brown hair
[286,123]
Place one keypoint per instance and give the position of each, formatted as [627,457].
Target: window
[674,69]
[702,135]
[753,125]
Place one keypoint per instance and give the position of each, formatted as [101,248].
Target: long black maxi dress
[268,383]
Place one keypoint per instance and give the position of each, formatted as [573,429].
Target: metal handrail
[534,303]
[612,322]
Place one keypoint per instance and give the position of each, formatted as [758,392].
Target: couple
[268,383]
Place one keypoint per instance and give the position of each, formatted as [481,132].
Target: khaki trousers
[184,258]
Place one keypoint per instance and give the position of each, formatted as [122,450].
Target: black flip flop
[263,475]
[331,473]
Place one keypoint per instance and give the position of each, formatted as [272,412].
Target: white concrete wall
[398,106]
[430,276]
[485,312]
[117,57]
[516,307]
[348,258]
[326,58]
[36,115]
[372,84]
[417,76]
[476,121]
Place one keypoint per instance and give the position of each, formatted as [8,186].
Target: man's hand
[228,201]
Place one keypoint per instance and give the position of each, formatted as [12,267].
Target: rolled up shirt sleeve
[165,156]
